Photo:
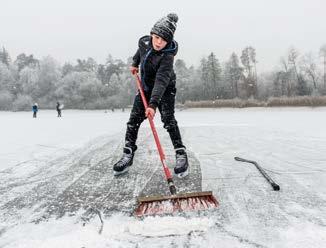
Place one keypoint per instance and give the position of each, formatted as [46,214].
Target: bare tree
[286,86]
[293,56]
[245,60]
[308,65]
[248,60]
[323,54]
[252,55]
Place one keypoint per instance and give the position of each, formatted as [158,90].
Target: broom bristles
[175,204]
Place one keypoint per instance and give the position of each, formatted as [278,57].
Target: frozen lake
[53,166]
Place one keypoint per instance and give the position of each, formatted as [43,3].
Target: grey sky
[71,29]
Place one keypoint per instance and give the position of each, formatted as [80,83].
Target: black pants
[166,108]
[59,112]
[34,114]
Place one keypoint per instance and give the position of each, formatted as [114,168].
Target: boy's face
[158,42]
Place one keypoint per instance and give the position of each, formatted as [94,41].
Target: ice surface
[58,163]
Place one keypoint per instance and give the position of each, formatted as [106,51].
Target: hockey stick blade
[275,186]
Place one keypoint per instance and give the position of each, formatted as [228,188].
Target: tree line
[87,84]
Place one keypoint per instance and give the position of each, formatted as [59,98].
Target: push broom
[156,205]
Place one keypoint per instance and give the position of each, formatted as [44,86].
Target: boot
[181,166]
[122,166]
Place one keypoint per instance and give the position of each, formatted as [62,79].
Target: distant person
[59,108]
[35,109]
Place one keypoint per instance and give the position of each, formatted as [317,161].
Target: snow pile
[118,231]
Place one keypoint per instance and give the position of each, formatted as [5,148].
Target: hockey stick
[275,186]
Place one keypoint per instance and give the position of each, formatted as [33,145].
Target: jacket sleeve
[136,59]
[162,80]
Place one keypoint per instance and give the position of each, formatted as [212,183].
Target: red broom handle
[151,123]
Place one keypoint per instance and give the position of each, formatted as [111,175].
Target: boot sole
[118,173]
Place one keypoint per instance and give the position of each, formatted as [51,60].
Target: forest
[298,80]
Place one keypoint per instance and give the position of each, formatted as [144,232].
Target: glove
[133,70]
[149,112]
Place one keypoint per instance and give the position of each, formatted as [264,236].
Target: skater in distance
[59,108]
[35,110]
[154,59]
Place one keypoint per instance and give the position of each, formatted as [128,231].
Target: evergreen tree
[211,76]
[215,71]
[4,57]
[233,72]
[205,92]
[182,80]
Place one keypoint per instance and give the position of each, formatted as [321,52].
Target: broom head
[158,205]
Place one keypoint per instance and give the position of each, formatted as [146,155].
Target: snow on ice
[50,166]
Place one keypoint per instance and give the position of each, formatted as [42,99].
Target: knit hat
[165,27]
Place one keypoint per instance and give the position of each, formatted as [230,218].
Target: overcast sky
[71,29]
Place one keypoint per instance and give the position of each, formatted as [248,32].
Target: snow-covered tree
[308,66]
[28,82]
[4,57]
[233,72]
[293,56]
[66,69]
[183,80]
[323,55]
[211,76]
[23,61]
[22,102]
[248,60]
[88,65]
[7,80]
[49,75]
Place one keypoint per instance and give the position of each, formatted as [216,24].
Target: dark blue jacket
[156,68]
[35,108]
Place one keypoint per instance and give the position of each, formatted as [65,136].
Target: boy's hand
[150,112]
[133,70]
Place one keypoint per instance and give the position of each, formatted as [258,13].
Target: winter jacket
[156,68]
[35,108]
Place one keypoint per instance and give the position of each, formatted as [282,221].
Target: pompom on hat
[166,27]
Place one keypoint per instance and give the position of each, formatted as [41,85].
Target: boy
[155,57]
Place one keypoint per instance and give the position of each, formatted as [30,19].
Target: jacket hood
[146,43]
